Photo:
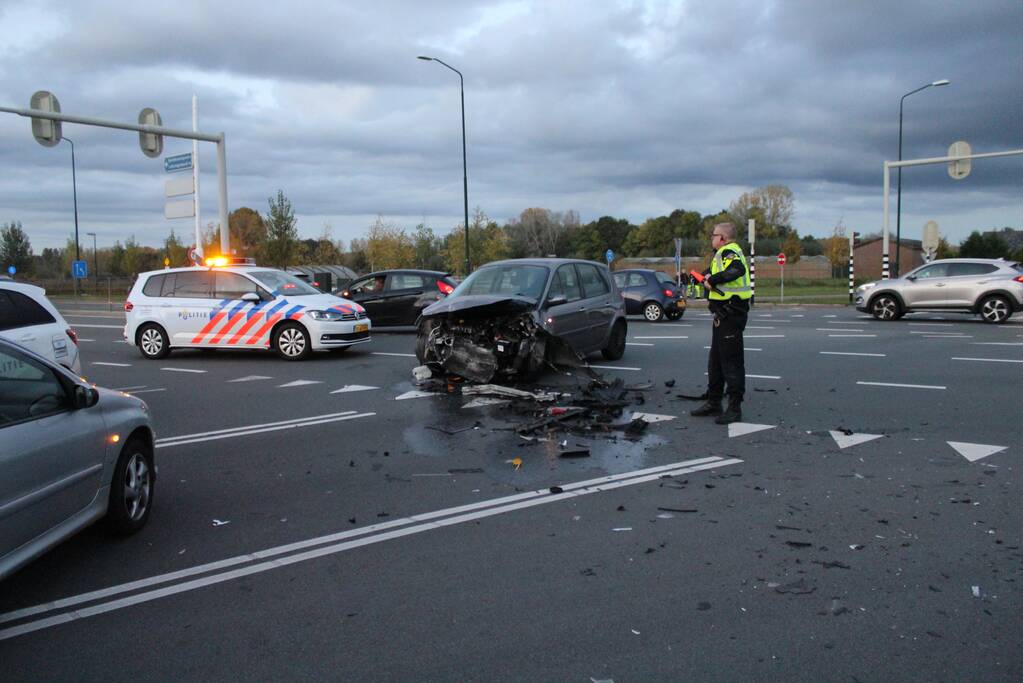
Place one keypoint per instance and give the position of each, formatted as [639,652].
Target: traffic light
[151,143]
[47,132]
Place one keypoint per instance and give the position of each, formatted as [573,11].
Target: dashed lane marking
[902,386]
[348,388]
[743,428]
[946,336]
[932,324]
[637,344]
[748,348]
[92,325]
[845,440]
[146,391]
[764,336]
[845,322]
[615,367]
[837,329]
[249,378]
[299,383]
[988,343]
[134,386]
[85,340]
[852,353]
[989,360]
[756,327]
[939,334]
[975,451]
[854,336]
[188,370]
[272,558]
[675,337]
[112,365]
[414,394]
[384,353]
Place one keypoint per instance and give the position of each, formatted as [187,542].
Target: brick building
[867,255]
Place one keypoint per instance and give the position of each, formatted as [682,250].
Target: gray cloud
[630,109]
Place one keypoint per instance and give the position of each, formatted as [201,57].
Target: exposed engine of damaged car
[510,318]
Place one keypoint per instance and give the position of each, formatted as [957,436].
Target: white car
[28,318]
[238,307]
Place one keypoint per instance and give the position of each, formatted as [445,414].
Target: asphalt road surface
[311,522]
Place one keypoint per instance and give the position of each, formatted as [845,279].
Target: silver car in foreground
[70,454]
[991,288]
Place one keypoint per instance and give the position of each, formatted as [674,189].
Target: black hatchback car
[397,297]
[650,293]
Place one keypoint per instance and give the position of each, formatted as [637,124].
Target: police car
[238,305]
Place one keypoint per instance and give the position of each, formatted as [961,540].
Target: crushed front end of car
[480,337]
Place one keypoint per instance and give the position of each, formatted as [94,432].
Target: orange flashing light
[216,262]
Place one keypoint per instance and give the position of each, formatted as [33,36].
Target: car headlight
[865,287]
[324,315]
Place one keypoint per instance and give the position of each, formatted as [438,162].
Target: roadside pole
[852,240]
[781,267]
[195,175]
[752,261]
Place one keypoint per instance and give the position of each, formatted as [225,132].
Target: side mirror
[250,296]
[85,397]
[557,300]
[911,278]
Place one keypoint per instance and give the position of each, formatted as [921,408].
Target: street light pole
[95,260]
[74,191]
[898,201]
[465,172]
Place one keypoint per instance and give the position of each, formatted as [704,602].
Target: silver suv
[992,288]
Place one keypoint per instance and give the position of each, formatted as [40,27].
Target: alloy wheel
[994,310]
[292,342]
[136,487]
[151,341]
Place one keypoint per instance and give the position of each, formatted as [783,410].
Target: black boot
[711,407]
[732,414]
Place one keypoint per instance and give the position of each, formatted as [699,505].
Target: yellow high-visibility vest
[739,287]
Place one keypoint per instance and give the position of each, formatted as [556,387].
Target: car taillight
[444,287]
[668,292]
[128,306]
[73,335]
[1018,278]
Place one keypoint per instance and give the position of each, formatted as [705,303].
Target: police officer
[728,294]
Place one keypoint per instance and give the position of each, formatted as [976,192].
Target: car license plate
[362,327]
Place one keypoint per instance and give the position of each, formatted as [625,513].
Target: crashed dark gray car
[510,318]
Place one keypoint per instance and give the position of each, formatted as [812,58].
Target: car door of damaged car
[597,300]
[568,319]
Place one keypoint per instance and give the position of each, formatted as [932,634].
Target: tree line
[272,239]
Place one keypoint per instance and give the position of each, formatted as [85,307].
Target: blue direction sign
[12,270]
[79,269]
[609,255]
[178,162]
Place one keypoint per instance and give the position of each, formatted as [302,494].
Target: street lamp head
[943,81]
[425,59]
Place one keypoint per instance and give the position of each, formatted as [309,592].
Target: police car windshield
[514,280]
[282,284]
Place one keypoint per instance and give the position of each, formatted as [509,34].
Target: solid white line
[416,524]
[748,348]
[134,386]
[932,324]
[614,367]
[403,355]
[938,334]
[846,322]
[905,386]
[113,365]
[636,344]
[861,336]
[105,327]
[765,376]
[759,327]
[677,337]
[946,336]
[145,391]
[74,314]
[267,429]
[850,353]
[977,343]
[198,372]
[837,329]
[990,360]
[85,340]
[764,336]
[167,440]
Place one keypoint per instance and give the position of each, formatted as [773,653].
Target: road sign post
[781,264]
[752,261]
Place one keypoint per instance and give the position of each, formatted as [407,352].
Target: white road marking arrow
[353,387]
[845,440]
[299,383]
[743,428]
[249,378]
[975,451]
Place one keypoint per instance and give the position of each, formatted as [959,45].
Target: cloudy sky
[629,109]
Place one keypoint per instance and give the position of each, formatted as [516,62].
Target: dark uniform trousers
[726,364]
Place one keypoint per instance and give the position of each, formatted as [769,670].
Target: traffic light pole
[219,139]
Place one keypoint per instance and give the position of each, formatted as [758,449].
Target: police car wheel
[152,342]
[652,311]
[291,342]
